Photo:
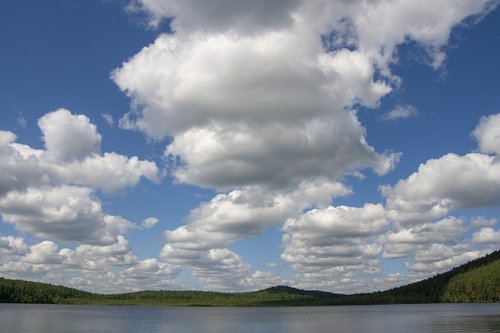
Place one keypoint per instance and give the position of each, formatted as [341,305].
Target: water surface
[343,319]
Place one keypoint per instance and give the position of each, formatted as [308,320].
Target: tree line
[476,281]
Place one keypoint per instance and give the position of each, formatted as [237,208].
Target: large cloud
[101,268]
[74,159]
[65,213]
[223,99]
[215,225]
[219,15]
[376,26]
[270,106]
[333,245]
[256,108]
[51,192]
[419,206]
[258,100]
[444,184]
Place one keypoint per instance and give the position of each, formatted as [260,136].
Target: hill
[476,281]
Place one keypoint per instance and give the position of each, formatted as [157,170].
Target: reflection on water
[477,324]
[343,319]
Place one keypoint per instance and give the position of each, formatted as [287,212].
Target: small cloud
[149,222]
[108,118]
[21,121]
[481,221]
[356,174]
[272,265]
[400,112]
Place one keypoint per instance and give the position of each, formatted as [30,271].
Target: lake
[28,318]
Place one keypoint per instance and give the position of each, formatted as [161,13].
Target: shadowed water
[343,319]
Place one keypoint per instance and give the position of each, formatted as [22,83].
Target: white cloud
[363,23]
[43,253]
[52,193]
[12,246]
[22,166]
[445,231]
[109,172]
[217,93]
[69,137]
[487,133]
[227,218]
[400,112]
[217,268]
[155,274]
[149,222]
[443,184]
[219,15]
[243,213]
[66,213]
[108,268]
[445,264]
[18,169]
[21,121]
[108,118]
[261,280]
[487,236]
[334,243]
[258,107]
[427,242]
[261,108]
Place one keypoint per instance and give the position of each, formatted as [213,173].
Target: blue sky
[224,146]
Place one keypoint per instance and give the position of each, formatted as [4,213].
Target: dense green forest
[476,281]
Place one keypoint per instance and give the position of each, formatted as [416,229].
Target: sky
[225,145]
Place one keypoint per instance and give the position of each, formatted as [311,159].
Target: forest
[475,281]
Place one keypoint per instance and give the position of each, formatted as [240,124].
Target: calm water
[344,319]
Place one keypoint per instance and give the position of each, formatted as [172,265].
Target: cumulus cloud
[219,15]
[227,218]
[66,213]
[69,137]
[364,23]
[261,280]
[450,182]
[10,245]
[99,268]
[421,230]
[217,268]
[487,134]
[71,157]
[487,235]
[334,243]
[51,192]
[43,253]
[217,93]
[445,264]
[222,89]
[443,184]
[481,221]
[242,213]
[446,230]
[259,99]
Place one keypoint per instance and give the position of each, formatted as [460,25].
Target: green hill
[476,281]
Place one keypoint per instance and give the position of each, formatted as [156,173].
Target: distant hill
[476,281]
[477,276]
